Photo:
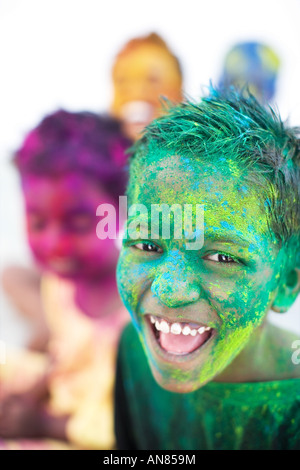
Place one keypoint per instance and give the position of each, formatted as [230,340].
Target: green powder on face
[222,156]
[237,295]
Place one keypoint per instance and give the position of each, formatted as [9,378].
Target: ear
[288,291]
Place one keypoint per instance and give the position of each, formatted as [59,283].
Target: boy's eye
[120,80]
[153,79]
[147,246]
[80,223]
[220,258]
[36,223]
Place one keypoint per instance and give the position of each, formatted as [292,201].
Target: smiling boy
[201,315]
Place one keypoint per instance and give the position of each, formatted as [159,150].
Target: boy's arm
[22,287]
[24,415]
[52,426]
[22,418]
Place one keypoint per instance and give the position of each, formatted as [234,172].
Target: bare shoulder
[283,346]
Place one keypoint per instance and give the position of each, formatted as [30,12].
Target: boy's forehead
[165,162]
[144,54]
[230,202]
[189,173]
[78,185]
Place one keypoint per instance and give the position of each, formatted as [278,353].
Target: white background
[59,53]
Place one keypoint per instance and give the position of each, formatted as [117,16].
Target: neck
[249,364]
[266,357]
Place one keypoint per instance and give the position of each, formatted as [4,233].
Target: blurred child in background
[144,71]
[253,65]
[69,164]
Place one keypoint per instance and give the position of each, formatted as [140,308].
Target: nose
[57,243]
[140,90]
[175,285]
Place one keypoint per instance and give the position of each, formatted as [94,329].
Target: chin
[175,386]
[180,363]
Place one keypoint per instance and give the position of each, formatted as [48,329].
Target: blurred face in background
[61,225]
[141,76]
[252,65]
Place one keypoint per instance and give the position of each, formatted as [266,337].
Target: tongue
[181,344]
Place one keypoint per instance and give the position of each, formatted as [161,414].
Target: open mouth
[62,265]
[138,112]
[179,338]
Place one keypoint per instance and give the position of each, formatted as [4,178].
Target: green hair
[230,125]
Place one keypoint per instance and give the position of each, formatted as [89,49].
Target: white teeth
[164,327]
[176,328]
[186,330]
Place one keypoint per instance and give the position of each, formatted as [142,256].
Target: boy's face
[141,76]
[216,295]
[61,225]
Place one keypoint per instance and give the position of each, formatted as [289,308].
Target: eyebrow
[33,209]
[73,211]
[217,234]
[229,238]
[82,209]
